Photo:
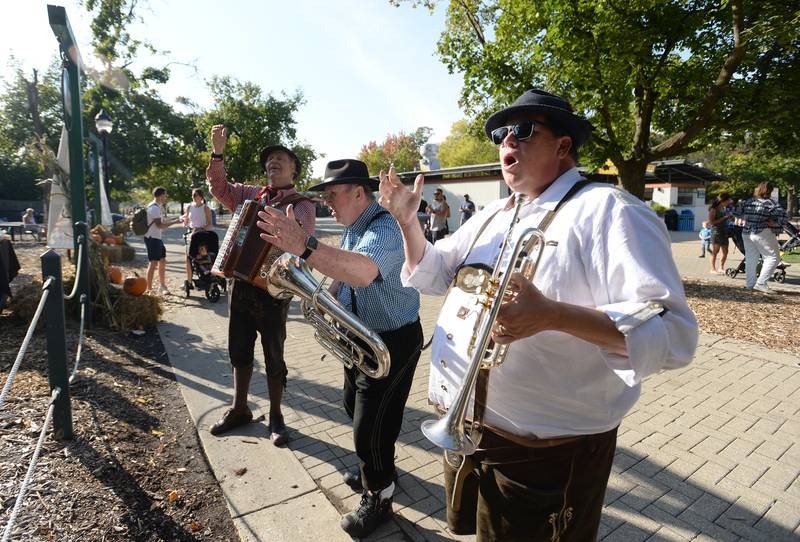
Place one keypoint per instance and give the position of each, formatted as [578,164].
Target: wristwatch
[215,155]
[311,246]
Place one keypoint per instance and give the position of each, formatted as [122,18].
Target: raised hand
[282,230]
[219,137]
[401,202]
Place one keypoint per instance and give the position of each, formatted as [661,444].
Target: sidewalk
[711,452]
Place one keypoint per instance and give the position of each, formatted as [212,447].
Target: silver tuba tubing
[288,276]
[448,432]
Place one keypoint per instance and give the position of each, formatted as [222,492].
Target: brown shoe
[231,420]
[279,433]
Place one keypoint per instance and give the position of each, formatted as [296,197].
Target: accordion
[243,253]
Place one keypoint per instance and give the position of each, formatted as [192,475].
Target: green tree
[657,78]
[254,121]
[401,150]
[769,155]
[463,147]
[30,116]
[156,143]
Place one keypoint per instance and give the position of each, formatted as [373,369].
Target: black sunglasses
[521,130]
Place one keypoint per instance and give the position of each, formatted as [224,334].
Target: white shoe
[764,289]
[163,290]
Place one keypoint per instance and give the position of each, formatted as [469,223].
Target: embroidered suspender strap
[352,290]
[482,384]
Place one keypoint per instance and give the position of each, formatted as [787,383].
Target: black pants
[376,406]
[255,311]
[539,494]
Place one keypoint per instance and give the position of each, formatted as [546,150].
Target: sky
[365,68]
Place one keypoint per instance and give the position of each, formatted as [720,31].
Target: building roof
[679,171]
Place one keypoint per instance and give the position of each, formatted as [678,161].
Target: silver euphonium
[334,325]
[448,432]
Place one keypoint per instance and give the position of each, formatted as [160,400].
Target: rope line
[23,490]
[78,266]
[72,377]
[24,348]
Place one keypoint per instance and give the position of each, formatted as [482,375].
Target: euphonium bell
[449,432]
[335,327]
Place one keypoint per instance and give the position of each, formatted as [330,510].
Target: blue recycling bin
[686,220]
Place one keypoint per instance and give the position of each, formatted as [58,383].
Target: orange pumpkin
[96,238]
[110,240]
[115,274]
[135,285]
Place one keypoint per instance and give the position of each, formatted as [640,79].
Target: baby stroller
[779,275]
[203,249]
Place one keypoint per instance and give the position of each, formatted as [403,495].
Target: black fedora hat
[347,171]
[556,109]
[266,151]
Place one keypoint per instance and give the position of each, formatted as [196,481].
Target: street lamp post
[102,122]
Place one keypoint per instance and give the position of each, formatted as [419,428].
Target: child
[705,239]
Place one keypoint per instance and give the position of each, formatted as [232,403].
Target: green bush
[658,208]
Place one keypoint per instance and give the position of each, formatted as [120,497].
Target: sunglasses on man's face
[521,130]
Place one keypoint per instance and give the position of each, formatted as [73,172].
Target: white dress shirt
[605,250]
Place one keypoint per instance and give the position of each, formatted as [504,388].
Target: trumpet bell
[442,434]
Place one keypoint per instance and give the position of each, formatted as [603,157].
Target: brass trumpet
[448,432]
[333,324]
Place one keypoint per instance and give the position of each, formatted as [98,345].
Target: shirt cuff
[427,276]
[645,340]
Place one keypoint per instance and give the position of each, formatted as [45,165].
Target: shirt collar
[362,221]
[557,189]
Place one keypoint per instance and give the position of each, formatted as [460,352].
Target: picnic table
[20,228]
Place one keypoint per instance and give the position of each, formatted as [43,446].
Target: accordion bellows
[243,253]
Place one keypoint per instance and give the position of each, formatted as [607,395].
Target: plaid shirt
[756,212]
[384,305]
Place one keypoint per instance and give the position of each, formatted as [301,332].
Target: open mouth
[509,160]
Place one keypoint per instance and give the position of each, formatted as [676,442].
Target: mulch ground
[135,469]
[731,311]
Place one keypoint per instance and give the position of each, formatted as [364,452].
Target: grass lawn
[791,257]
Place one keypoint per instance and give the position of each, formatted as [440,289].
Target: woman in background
[197,218]
[717,219]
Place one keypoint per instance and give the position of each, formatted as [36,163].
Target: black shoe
[278,432]
[353,479]
[231,420]
[702,256]
[368,516]
[187,285]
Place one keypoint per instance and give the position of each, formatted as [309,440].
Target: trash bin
[686,220]
[213,217]
[671,219]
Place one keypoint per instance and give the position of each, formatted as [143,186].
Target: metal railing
[51,304]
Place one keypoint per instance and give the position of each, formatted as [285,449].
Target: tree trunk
[792,202]
[631,176]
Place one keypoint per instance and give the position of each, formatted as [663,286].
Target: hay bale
[136,311]
[113,253]
[127,252]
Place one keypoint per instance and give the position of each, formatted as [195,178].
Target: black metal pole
[57,344]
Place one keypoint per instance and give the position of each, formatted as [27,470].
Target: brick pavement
[710,452]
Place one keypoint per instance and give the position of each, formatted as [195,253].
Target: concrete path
[711,452]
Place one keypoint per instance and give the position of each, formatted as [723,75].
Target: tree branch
[474,23]
[680,140]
